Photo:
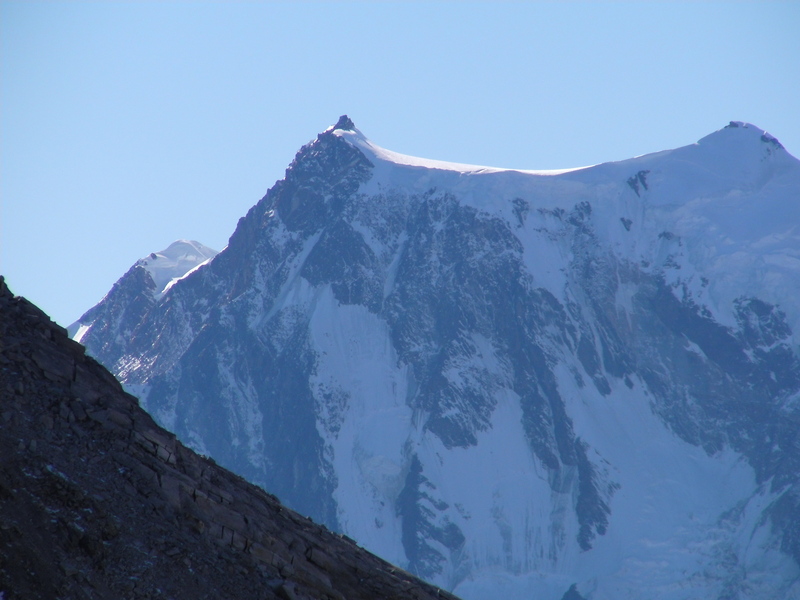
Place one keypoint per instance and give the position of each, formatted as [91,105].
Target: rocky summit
[516,384]
[99,502]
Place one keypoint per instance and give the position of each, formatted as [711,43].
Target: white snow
[361,395]
[372,150]
[677,509]
[81,331]
[175,262]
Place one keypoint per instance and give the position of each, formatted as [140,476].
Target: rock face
[512,384]
[97,501]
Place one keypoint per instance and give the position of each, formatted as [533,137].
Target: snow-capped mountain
[138,291]
[573,384]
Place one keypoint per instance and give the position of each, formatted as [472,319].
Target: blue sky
[125,126]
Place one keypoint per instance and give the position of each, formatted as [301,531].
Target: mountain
[99,502]
[571,384]
[140,288]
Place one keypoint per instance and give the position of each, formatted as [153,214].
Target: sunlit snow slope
[573,384]
[140,288]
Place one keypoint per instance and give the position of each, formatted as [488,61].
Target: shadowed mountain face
[97,501]
[510,383]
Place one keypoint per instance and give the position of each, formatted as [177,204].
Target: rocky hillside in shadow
[97,501]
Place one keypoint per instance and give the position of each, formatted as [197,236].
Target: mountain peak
[345,123]
[175,261]
[745,131]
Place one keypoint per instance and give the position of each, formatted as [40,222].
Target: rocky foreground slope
[97,501]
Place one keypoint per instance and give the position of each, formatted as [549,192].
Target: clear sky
[127,125]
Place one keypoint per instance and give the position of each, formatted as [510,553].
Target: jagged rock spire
[345,123]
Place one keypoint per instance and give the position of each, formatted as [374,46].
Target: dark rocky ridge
[97,501]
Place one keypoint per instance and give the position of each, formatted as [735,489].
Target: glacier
[569,384]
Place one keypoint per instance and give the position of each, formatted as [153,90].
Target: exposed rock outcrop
[97,501]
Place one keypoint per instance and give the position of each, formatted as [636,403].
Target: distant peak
[185,246]
[174,262]
[766,137]
[750,131]
[345,123]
